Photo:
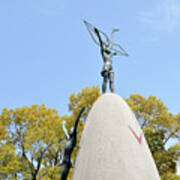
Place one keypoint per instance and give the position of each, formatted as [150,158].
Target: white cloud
[165,16]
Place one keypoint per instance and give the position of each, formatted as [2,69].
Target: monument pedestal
[113,146]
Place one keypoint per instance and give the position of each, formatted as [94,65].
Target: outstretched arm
[119,50]
[98,35]
[100,40]
[93,34]
[65,130]
[78,118]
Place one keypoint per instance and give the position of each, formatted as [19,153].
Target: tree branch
[39,162]
[167,139]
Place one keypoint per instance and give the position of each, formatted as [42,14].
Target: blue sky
[47,53]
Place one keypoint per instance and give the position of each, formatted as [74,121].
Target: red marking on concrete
[139,138]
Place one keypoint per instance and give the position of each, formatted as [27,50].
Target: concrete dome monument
[113,146]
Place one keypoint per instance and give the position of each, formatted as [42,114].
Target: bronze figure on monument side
[108,50]
[71,140]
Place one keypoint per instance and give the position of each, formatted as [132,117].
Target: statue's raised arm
[119,50]
[108,41]
[93,34]
[77,120]
[65,130]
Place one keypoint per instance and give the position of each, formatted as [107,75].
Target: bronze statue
[71,140]
[108,50]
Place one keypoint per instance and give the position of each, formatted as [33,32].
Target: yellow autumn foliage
[32,139]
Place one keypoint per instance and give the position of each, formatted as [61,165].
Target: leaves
[9,161]
[86,97]
[32,139]
[29,134]
[160,127]
[170,176]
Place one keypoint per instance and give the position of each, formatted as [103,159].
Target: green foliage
[30,134]
[170,176]
[159,126]
[31,138]
[86,97]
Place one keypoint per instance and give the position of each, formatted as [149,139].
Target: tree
[86,97]
[159,126]
[32,140]
[31,136]
[170,176]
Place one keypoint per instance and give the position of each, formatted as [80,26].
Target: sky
[47,53]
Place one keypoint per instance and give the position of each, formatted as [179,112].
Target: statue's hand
[115,54]
[96,30]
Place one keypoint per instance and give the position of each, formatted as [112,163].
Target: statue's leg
[111,84]
[104,85]
[105,79]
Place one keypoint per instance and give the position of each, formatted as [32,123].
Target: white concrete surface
[109,150]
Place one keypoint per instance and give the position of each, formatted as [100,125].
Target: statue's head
[107,48]
[106,45]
